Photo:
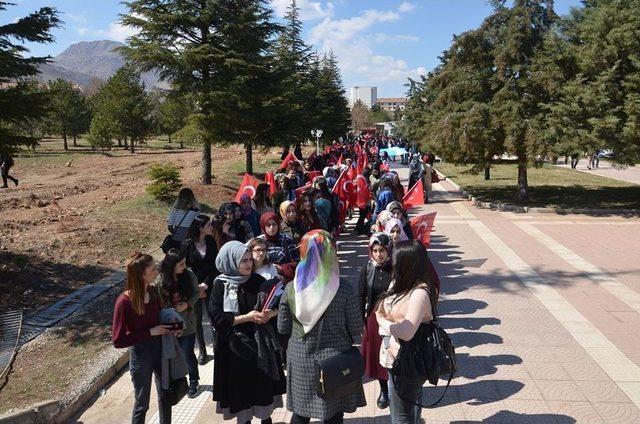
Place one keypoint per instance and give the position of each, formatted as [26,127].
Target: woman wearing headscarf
[374,280]
[317,309]
[384,196]
[280,247]
[394,229]
[289,224]
[239,229]
[248,380]
[249,214]
[381,221]
[398,212]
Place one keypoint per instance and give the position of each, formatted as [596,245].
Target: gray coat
[342,323]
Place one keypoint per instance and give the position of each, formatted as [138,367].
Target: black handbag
[339,375]
[430,355]
[169,243]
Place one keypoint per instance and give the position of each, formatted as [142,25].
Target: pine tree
[221,52]
[22,103]
[123,105]
[69,113]
[173,114]
[334,116]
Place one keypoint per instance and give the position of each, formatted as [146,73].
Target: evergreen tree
[123,105]
[221,52]
[173,114]
[69,113]
[333,115]
[294,62]
[22,103]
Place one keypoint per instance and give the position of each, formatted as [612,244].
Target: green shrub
[165,181]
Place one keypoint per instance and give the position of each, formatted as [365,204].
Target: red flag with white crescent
[247,186]
[271,180]
[290,157]
[415,196]
[302,189]
[363,193]
[312,174]
[422,226]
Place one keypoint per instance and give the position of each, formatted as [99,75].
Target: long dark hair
[198,223]
[183,286]
[410,269]
[307,218]
[220,238]
[186,200]
[261,199]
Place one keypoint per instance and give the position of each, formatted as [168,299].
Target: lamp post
[317,134]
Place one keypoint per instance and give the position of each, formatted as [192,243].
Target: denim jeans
[403,410]
[144,363]
[187,344]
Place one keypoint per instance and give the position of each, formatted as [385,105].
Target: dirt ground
[77,215]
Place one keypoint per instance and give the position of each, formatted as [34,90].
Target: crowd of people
[265,270]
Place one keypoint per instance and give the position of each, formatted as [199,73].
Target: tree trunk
[249,158]
[126,146]
[64,137]
[487,173]
[119,142]
[133,144]
[523,186]
[169,138]
[206,162]
[181,144]
[75,142]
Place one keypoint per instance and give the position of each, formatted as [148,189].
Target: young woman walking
[374,281]
[402,310]
[136,325]
[180,291]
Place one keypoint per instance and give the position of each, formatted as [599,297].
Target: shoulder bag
[430,355]
[339,375]
[169,243]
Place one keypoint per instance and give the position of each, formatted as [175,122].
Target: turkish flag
[312,174]
[422,226]
[363,193]
[357,148]
[302,189]
[385,167]
[327,150]
[363,161]
[290,157]
[271,180]
[247,186]
[415,196]
[346,191]
[339,160]
[352,172]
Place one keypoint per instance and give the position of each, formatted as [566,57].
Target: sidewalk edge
[507,207]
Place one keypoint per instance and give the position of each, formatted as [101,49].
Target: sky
[378,42]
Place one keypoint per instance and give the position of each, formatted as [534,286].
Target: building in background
[391,103]
[367,95]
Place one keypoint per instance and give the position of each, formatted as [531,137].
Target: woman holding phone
[136,325]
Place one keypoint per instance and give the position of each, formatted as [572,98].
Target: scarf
[393,222]
[283,209]
[246,209]
[316,280]
[384,240]
[227,262]
[264,219]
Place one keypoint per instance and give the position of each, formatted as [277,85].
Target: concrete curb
[61,410]
[507,207]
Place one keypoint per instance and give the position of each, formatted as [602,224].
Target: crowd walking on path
[265,269]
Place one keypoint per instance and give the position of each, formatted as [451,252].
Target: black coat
[239,384]
[371,285]
[204,267]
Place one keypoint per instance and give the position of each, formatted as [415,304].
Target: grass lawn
[549,186]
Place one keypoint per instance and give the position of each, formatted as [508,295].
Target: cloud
[309,10]
[383,38]
[406,7]
[352,42]
[115,31]
[73,18]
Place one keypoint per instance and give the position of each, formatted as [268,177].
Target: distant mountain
[85,60]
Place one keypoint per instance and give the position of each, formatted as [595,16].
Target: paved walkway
[629,174]
[544,311]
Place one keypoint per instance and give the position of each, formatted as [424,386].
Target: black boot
[383,399]
[202,355]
